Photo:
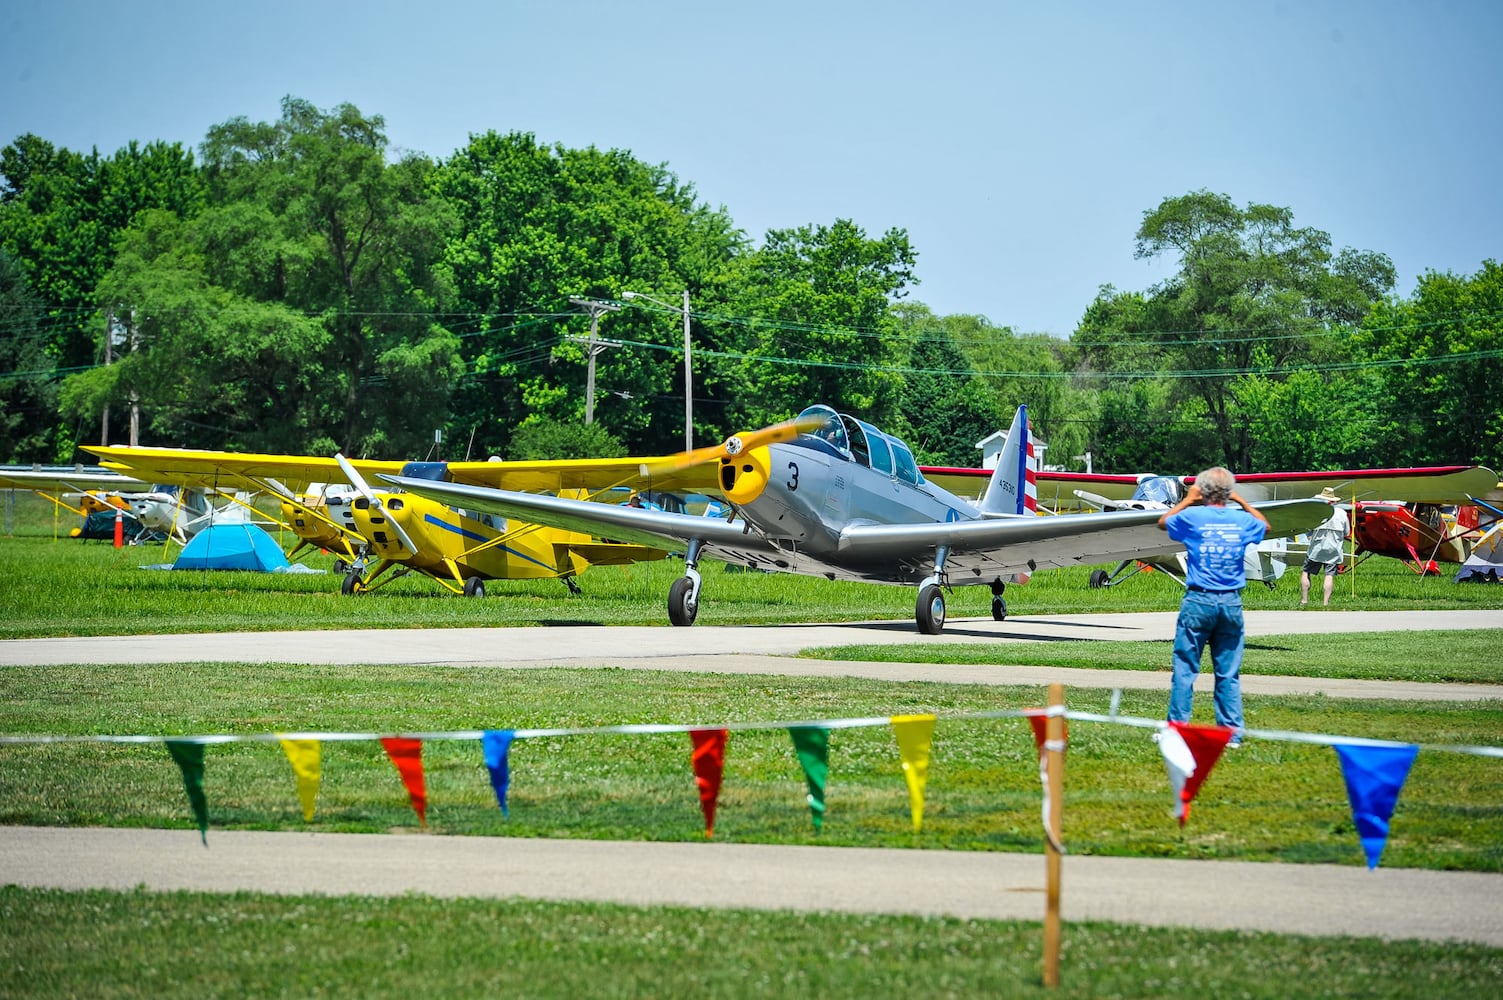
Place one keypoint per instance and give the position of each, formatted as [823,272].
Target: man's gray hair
[1215,484]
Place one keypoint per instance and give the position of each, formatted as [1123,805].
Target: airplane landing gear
[930,610]
[351,584]
[682,606]
[573,587]
[999,606]
[683,596]
[1099,578]
[474,587]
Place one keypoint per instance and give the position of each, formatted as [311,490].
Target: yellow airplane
[380,535]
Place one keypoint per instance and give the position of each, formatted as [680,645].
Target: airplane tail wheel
[474,587]
[1099,578]
[682,607]
[999,609]
[930,611]
[351,584]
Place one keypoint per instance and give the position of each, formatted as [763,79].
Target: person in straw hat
[1327,549]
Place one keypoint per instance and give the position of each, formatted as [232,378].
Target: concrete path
[1290,899]
[769,649]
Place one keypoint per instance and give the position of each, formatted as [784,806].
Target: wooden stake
[1054,755]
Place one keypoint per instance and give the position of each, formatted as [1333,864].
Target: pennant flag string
[1323,739]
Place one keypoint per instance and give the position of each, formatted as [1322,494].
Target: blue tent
[232,546]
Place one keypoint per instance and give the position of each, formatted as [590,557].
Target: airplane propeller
[738,444]
[358,481]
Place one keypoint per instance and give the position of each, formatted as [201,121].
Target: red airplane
[1422,535]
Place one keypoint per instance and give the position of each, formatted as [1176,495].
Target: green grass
[1466,656]
[1270,801]
[61,586]
[139,944]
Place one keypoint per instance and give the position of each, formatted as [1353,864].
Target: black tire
[999,609]
[351,584]
[1099,578]
[682,609]
[474,587]
[930,610]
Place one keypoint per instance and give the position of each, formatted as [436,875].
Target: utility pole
[593,346]
[688,382]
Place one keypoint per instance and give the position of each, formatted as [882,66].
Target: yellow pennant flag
[304,755]
[914,733]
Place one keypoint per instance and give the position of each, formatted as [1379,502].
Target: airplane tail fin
[1014,485]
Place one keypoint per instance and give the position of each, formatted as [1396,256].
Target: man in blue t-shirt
[1215,537]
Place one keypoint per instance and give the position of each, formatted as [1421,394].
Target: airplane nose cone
[744,477]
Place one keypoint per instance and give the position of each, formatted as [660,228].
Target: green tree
[1440,359]
[62,213]
[823,328]
[543,224]
[27,395]
[355,240]
[205,365]
[1254,294]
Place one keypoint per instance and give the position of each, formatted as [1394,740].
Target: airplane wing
[231,470]
[58,479]
[654,528]
[1435,484]
[1025,544]
[1429,484]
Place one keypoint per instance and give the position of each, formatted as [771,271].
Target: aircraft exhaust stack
[1013,489]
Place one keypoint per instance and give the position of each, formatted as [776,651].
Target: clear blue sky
[1018,143]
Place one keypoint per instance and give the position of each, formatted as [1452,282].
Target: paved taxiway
[1313,899]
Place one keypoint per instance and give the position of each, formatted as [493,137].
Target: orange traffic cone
[119,528]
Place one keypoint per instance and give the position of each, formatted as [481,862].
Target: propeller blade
[736,444]
[355,478]
[358,481]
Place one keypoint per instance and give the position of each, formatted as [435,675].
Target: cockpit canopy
[1167,490]
[860,442]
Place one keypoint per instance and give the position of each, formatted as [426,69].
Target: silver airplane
[827,494]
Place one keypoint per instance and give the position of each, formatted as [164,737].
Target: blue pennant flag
[1374,776]
[496,745]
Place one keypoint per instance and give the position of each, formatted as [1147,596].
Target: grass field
[1271,801]
[61,586]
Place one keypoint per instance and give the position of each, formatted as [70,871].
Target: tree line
[295,288]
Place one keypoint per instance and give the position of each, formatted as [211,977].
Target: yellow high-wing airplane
[402,533]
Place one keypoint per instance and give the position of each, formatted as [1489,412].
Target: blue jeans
[1214,619]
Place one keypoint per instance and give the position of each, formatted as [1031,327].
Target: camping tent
[1485,564]
[236,545]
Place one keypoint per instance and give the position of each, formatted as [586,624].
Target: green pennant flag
[812,744]
[190,760]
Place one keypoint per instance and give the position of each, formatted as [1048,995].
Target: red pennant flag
[709,764]
[407,755]
[1189,754]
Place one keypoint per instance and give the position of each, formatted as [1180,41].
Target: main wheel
[1099,578]
[999,609]
[474,587]
[351,584]
[930,611]
[682,607]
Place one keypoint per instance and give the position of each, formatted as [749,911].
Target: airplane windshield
[881,455]
[905,467]
[832,430]
[1166,490]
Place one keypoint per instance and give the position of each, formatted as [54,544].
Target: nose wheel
[999,606]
